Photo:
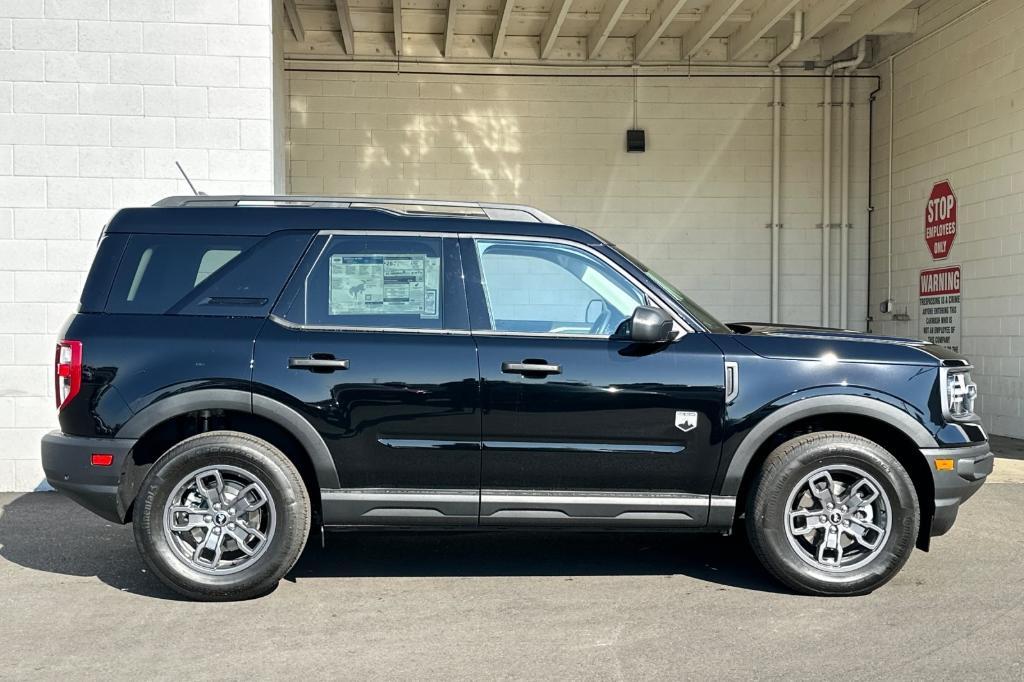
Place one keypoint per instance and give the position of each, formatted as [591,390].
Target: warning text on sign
[939,293]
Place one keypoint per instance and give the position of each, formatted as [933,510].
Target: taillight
[67,375]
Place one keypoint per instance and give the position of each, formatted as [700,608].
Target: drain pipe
[826,189]
[844,164]
[826,198]
[798,36]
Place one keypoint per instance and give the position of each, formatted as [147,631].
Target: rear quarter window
[161,274]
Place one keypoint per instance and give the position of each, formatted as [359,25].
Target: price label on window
[384,284]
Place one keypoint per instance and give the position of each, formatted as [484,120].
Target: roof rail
[460,209]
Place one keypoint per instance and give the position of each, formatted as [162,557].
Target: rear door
[580,428]
[370,343]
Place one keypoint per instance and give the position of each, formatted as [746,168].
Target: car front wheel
[222,515]
[832,513]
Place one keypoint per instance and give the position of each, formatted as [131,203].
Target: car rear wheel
[222,515]
[832,513]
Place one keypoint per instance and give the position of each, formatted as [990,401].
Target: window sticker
[384,284]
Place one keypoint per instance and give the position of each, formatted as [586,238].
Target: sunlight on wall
[693,206]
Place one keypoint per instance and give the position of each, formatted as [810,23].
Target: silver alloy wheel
[219,519]
[838,518]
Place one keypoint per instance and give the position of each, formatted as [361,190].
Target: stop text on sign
[940,220]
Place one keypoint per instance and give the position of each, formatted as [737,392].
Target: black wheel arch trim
[242,401]
[303,431]
[809,407]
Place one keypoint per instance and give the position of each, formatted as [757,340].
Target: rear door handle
[528,368]
[317,364]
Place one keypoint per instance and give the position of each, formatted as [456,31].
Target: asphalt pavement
[77,602]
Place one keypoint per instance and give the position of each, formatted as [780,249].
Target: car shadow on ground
[47,532]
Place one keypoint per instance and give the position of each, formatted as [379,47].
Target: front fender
[794,408]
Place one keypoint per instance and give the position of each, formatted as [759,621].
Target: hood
[799,342]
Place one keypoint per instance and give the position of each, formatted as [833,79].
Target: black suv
[245,370]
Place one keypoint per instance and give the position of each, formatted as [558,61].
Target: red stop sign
[940,220]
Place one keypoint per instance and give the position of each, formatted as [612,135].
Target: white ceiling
[585,31]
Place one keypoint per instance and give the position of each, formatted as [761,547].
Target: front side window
[373,282]
[547,288]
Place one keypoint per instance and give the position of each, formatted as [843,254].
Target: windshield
[703,316]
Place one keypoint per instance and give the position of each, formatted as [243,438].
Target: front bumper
[66,462]
[971,466]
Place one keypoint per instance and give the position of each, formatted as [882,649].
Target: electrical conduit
[773,66]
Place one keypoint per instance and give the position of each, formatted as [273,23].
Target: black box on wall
[636,140]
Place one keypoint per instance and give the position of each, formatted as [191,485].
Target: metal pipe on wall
[826,199]
[826,187]
[844,221]
[776,178]
[776,224]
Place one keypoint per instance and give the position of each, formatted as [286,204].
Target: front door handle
[527,368]
[318,362]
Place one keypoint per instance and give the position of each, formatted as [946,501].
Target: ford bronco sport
[242,370]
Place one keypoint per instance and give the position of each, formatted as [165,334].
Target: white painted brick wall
[98,98]
[694,206]
[959,115]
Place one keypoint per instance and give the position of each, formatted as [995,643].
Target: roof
[237,215]
[450,207]
[583,32]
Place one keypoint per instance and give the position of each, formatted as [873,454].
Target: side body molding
[809,407]
[241,401]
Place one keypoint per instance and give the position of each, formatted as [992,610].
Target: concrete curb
[1007,471]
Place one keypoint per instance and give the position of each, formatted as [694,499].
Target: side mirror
[647,325]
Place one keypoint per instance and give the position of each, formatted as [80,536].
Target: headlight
[958,393]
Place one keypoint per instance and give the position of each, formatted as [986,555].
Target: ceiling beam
[771,13]
[559,11]
[904,21]
[817,19]
[714,16]
[501,27]
[295,20]
[396,15]
[610,14]
[655,27]
[449,29]
[348,38]
[865,20]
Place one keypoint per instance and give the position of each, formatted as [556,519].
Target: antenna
[185,175]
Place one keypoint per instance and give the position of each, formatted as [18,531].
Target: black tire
[768,523]
[262,462]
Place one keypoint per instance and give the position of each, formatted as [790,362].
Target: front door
[370,344]
[580,428]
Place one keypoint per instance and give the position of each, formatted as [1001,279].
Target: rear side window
[163,274]
[392,282]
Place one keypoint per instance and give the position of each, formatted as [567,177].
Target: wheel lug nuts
[843,508]
[216,531]
[829,505]
[208,518]
[846,523]
[231,526]
[823,518]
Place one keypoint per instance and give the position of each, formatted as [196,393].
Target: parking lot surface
[76,600]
